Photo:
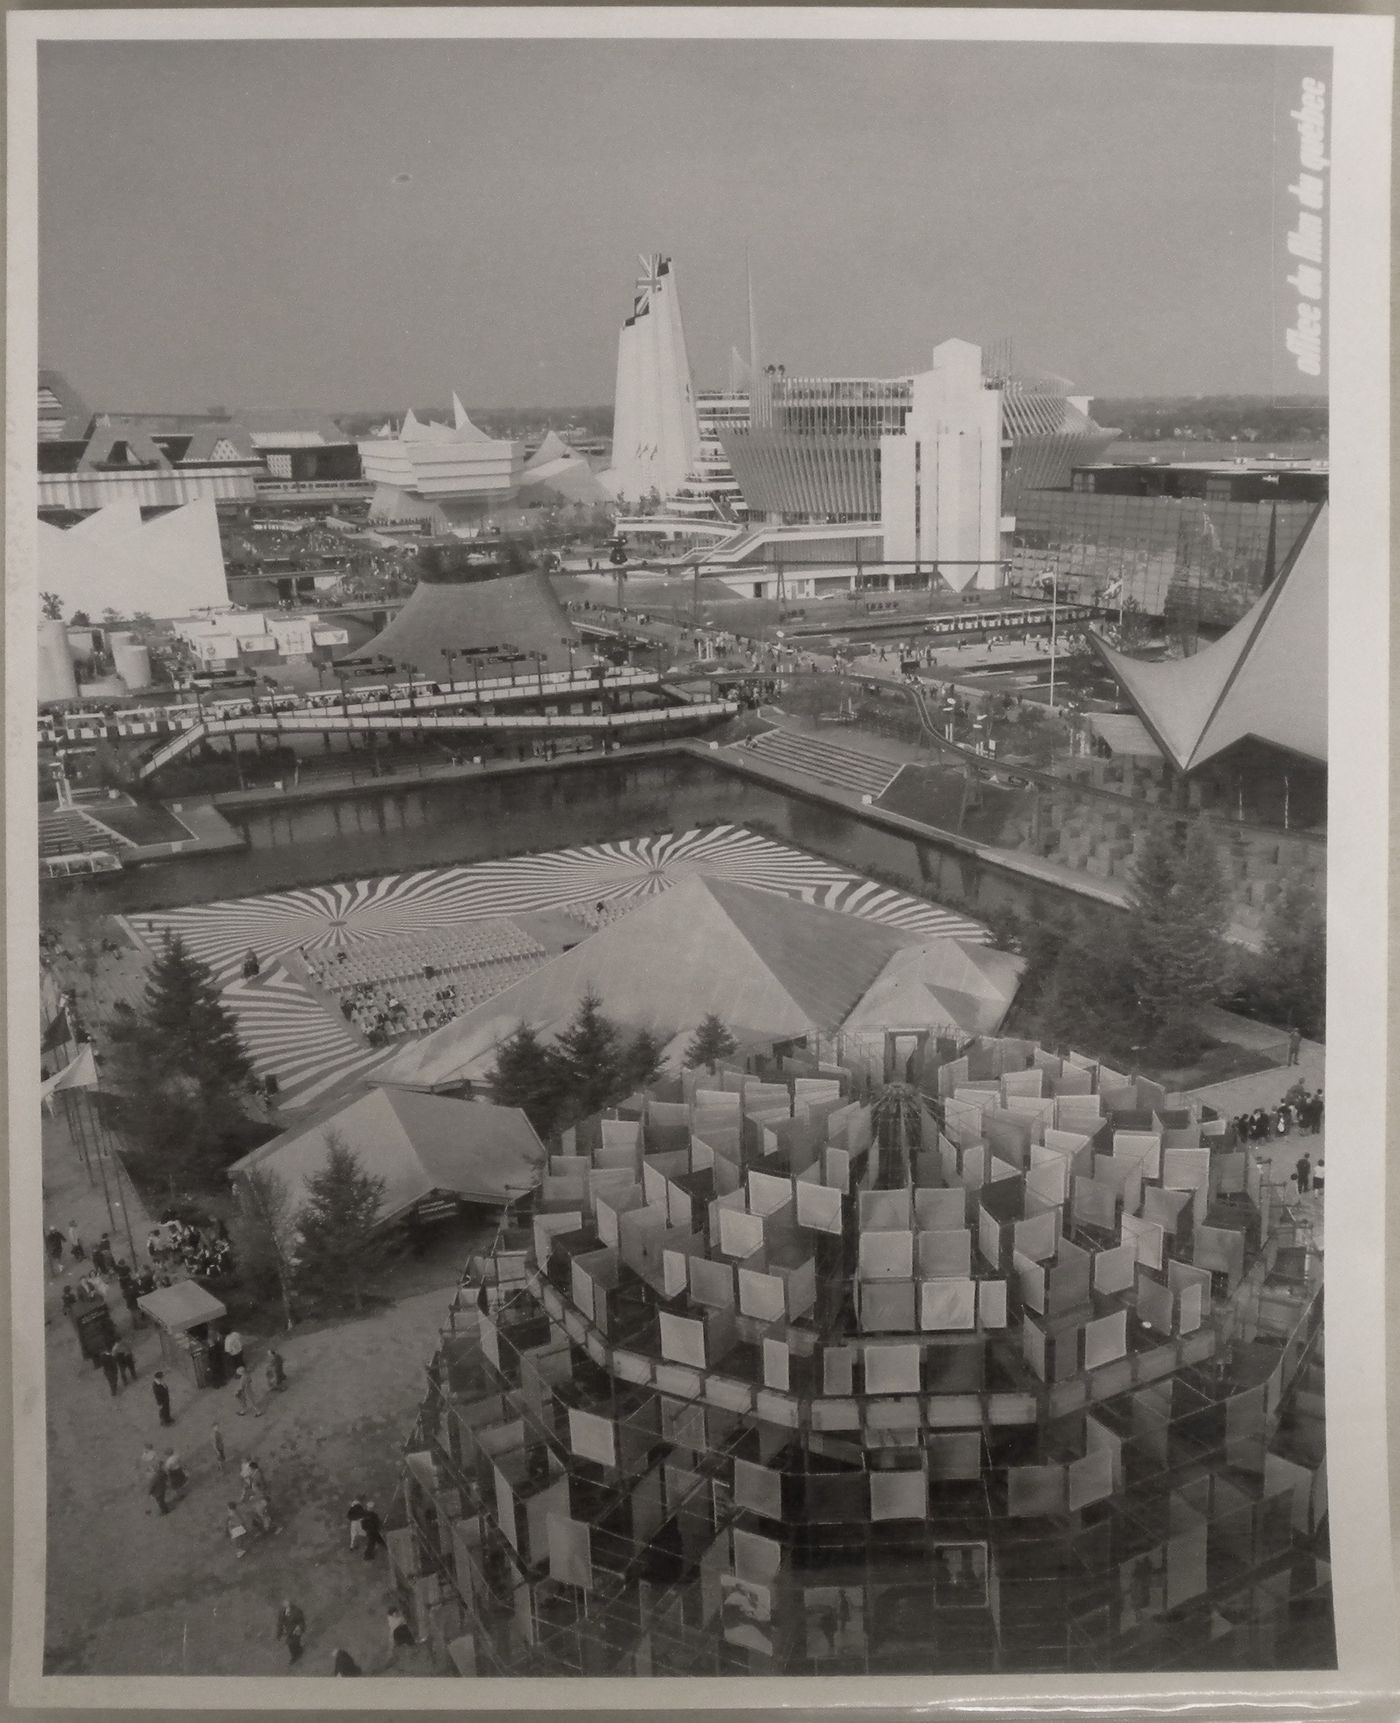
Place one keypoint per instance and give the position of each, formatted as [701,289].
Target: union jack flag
[649,281]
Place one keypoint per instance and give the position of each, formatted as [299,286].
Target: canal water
[431,825]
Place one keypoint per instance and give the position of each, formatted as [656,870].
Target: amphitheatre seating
[402,958]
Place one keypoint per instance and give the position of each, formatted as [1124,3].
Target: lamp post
[450,655]
[1054,631]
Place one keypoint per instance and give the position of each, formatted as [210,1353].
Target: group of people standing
[1299,1111]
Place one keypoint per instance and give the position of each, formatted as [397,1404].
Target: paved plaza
[130,1591]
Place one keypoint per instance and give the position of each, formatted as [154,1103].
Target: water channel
[402,829]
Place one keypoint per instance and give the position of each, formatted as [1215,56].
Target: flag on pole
[79,1073]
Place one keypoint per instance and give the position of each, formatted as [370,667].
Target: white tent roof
[1266,678]
[416,1143]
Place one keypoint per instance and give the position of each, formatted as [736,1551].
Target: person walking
[157,1488]
[176,1477]
[1303,1170]
[125,1360]
[110,1369]
[373,1528]
[161,1395]
[53,1238]
[216,1436]
[355,1515]
[247,1394]
[1295,1042]
[75,1242]
[400,1633]
[252,1475]
[291,1627]
[236,1530]
[275,1371]
[150,1462]
[233,1351]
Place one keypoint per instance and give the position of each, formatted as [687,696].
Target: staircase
[826,762]
[69,832]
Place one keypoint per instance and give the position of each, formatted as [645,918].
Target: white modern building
[656,432]
[114,561]
[940,476]
[450,476]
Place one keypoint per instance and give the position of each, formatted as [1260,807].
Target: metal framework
[1015,1367]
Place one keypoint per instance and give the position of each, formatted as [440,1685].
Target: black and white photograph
[672,935]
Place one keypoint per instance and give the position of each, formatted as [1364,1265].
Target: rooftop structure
[1012,1376]
[479,611]
[1264,682]
[426,1148]
[771,966]
[557,471]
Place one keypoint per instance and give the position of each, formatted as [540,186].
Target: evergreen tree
[339,1249]
[180,1069]
[642,1061]
[710,1043]
[528,1076]
[590,1059]
[1153,921]
[1180,919]
[1202,904]
[1292,970]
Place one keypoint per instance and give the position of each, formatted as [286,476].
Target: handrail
[390,724]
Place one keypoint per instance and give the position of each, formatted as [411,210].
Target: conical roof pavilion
[488,612]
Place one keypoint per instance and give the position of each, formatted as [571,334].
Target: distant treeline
[1216,418]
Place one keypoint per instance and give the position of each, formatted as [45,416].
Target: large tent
[495,615]
[422,1146]
[556,470]
[1265,680]
[772,967]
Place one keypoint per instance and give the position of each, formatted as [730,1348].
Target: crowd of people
[1300,1110]
[203,1253]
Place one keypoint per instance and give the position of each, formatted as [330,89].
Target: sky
[360,225]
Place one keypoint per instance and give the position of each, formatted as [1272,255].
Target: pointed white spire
[459,412]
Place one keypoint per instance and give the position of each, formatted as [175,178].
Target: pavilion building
[656,433]
[479,610]
[448,477]
[1022,1376]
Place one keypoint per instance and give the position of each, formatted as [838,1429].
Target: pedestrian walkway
[133,1592]
[825,762]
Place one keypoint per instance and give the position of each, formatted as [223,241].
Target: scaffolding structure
[1015,1367]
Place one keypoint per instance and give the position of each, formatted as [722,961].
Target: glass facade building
[1193,560]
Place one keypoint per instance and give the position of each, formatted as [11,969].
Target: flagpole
[118,1169]
[76,1134]
[106,1193]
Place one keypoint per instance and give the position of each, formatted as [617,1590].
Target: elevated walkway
[380,722]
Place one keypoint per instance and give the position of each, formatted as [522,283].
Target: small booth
[182,1314]
[92,1323]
